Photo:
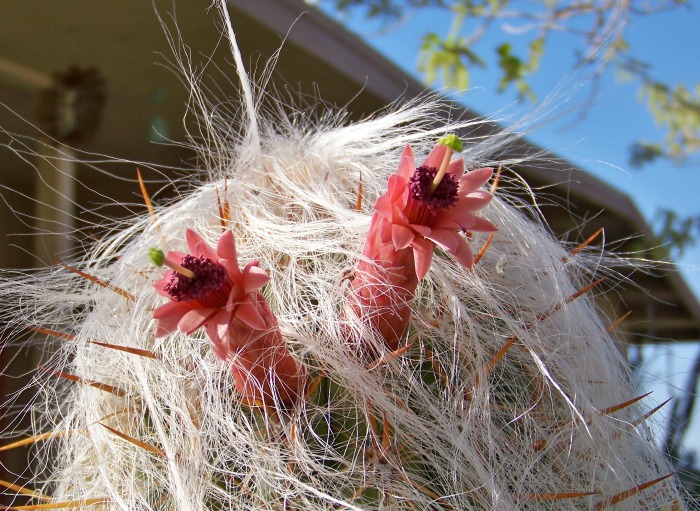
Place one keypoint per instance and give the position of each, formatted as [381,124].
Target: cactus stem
[144,445]
[24,491]
[241,485]
[583,245]
[34,439]
[145,195]
[539,388]
[100,282]
[483,250]
[358,202]
[618,321]
[674,505]
[540,497]
[400,402]
[96,384]
[604,504]
[134,351]
[615,408]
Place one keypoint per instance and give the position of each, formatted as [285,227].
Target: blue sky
[599,141]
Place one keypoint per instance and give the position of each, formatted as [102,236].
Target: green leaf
[677,109]
[677,233]
[536,51]
[449,57]
[512,66]
[514,71]
[642,153]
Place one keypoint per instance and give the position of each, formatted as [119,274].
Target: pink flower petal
[474,201]
[423,253]
[253,277]
[456,218]
[435,157]
[168,316]
[475,179]
[386,254]
[423,230]
[482,225]
[194,318]
[226,249]
[396,196]
[165,327]
[399,194]
[463,254]
[248,313]
[222,331]
[385,231]
[176,255]
[456,168]
[217,330]
[218,343]
[383,206]
[445,238]
[401,236]
[163,282]
[408,164]
[198,247]
[171,309]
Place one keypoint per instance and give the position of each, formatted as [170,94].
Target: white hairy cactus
[503,394]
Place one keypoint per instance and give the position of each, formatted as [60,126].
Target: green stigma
[452,141]
[156,256]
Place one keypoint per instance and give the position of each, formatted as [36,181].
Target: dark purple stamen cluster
[211,277]
[444,196]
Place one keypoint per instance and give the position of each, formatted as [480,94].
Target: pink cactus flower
[410,220]
[227,302]
[220,292]
[414,216]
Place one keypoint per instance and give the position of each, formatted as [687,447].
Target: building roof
[125,42]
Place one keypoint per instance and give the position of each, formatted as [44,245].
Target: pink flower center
[210,287]
[444,196]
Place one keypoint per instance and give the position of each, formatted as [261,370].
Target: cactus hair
[509,392]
